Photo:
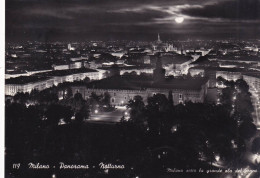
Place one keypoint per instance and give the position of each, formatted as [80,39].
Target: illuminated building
[124,88]
[48,79]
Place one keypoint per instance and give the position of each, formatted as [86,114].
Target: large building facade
[121,97]
[48,79]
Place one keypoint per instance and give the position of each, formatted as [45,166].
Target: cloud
[124,17]
[232,9]
[49,12]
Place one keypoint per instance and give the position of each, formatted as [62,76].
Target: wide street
[109,117]
[249,157]
[256,103]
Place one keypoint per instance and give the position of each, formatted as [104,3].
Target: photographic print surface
[132,89]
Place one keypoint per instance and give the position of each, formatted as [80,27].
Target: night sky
[79,20]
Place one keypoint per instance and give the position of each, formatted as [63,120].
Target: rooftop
[220,69]
[253,74]
[25,79]
[201,60]
[239,58]
[144,82]
[66,72]
[15,72]
[175,59]
[128,67]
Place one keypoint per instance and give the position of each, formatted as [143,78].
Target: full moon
[179,19]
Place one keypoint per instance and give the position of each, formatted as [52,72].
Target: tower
[69,46]
[159,71]
[159,40]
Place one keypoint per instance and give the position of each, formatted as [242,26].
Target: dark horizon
[131,20]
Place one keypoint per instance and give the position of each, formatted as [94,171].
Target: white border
[2,81]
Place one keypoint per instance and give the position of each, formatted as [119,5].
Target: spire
[159,40]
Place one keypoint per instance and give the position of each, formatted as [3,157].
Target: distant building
[31,72]
[124,88]
[197,72]
[137,70]
[118,54]
[170,48]
[159,46]
[147,59]
[249,59]
[76,65]
[70,48]
[229,74]
[176,64]
[27,84]
[15,74]
[79,58]
[214,72]
[60,67]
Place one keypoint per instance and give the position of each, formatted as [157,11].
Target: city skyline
[124,20]
[137,89]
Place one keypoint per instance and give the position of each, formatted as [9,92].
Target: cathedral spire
[159,40]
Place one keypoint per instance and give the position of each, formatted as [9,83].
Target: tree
[33,115]
[21,97]
[34,94]
[220,79]
[114,71]
[242,85]
[189,75]
[136,107]
[77,102]
[15,113]
[106,99]
[133,73]
[256,146]
[157,113]
[48,96]
[247,130]
[170,98]
[158,102]
[95,101]
[56,112]
[83,112]
[86,79]
[79,117]
[227,97]
[78,96]
[243,107]
[68,93]
[229,83]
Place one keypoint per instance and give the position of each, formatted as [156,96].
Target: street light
[96,111]
[257,158]
[106,171]
[217,158]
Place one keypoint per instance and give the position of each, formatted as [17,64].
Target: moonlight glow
[179,19]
